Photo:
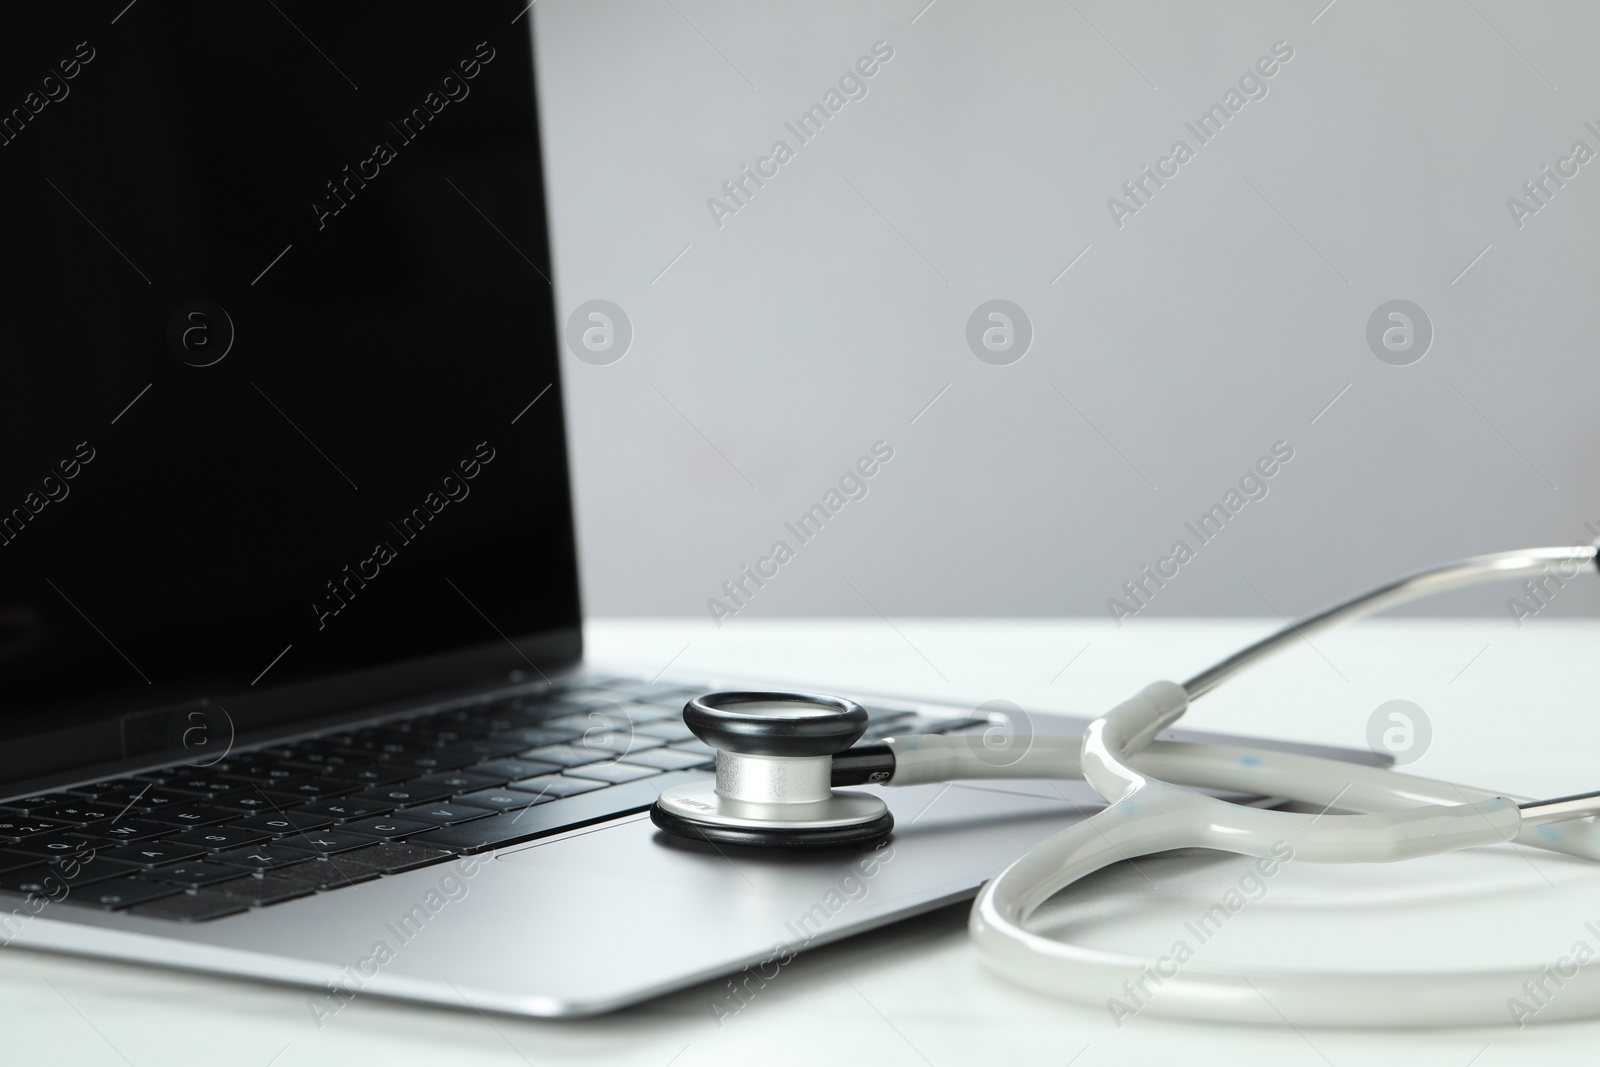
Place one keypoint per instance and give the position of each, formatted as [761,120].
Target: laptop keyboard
[277,822]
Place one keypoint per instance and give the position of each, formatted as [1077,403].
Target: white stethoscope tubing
[1152,809]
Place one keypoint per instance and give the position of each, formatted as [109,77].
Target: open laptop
[290,653]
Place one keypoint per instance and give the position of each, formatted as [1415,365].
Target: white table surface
[1510,708]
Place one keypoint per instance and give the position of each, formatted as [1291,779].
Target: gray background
[1223,317]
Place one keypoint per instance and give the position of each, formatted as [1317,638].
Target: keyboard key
[441,733]
[697,747]
[325,842]
[566,755]
[191,907]
[442,814]
[456,781]
[318,759]
[152,853]
[486,748]
[611,772]
[188,781]
[285,822]
[316,788]
[372,774]
[328,873]
[606,719]
[56,845]
[620,744]
[218,838]
[119,893]
[136,799]
[40,800]
[501,771]
[495,722]
[437,760]
[396,796]
[263,889]
[195,872]
[658,692]
[191,815]
[555,786]
[89,871]
[386,746]
[15,861]
[252,801]
[123,829]
[668,730]
[538,736]
[513,826]
[18,827]
[257,768]
[614,738]
[80,811]
[100,789]
[40,880]
[285,801]
[386,828]
[643,713]
[392,857]
[667,759]
[500,799]
[264,857]
[345,808]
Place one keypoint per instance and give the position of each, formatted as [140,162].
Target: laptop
[290,650]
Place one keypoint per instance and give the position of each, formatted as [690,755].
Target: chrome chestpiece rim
[774,767]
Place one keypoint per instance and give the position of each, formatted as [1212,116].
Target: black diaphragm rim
[715,719]
[797,839]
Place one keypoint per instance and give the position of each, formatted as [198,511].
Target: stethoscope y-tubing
[1152,807]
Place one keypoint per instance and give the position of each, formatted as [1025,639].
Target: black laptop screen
[278,398]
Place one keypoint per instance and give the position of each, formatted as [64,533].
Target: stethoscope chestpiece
[773,786]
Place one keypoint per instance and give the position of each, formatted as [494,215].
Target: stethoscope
[780,755]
